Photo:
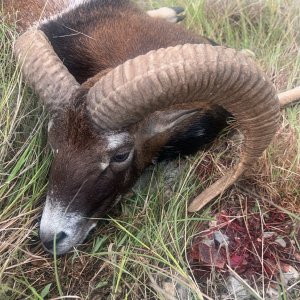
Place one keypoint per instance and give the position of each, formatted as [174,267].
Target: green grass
[132,254]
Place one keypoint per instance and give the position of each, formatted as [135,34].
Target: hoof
[170,14]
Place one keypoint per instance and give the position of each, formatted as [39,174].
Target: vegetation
[146,247]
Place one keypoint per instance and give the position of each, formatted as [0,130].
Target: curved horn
[289,97]
[43,69]
[190,73]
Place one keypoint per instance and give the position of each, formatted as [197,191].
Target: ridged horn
[190,73]
[43,69]
[289,97]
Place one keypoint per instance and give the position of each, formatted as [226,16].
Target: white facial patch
[104,165]
[115,141]
[165,13]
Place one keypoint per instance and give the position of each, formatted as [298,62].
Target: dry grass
[142,251]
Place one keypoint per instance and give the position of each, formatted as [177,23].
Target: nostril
[59,237]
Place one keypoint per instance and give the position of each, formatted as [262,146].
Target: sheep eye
[120,157]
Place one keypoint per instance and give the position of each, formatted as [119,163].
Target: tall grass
[140,252]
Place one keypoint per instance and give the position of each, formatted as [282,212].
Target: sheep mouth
[70,241]
[61,230]
[74,228]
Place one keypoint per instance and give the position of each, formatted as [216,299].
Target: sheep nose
[48,242]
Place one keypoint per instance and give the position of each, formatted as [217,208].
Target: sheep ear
[165,122]
[155,131]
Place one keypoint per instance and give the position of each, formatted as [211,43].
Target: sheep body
[92,168]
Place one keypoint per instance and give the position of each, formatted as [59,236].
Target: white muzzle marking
[55,220]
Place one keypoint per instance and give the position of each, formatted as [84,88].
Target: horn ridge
[43,69]
[190,73]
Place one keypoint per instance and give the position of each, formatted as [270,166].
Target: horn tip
[200,201]
[216,188]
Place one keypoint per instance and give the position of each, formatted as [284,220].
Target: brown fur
[104,34]
[26,12]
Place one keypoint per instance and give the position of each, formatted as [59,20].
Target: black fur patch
[197,137]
